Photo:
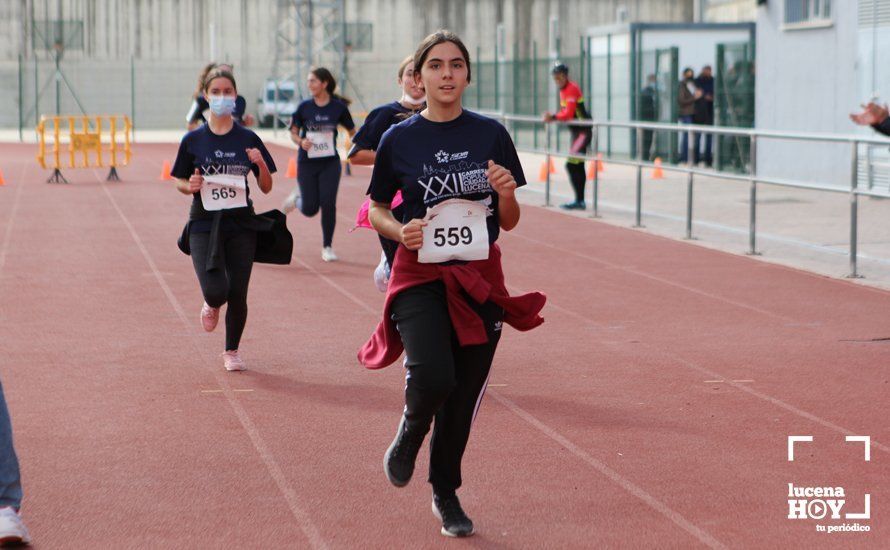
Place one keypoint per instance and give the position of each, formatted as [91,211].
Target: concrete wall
[169,41]
[807,82]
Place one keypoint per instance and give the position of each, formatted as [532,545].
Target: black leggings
[444,381]
[319,181]
[577,177]
[575,166]
[229,285]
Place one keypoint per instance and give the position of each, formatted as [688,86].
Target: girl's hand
[255,156]
[196,181]
[306,144]
[501,180]
[412,234]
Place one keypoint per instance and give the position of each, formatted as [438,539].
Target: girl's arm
[502,181]
[363,157]
[264,179]
[191,185]
[409,234]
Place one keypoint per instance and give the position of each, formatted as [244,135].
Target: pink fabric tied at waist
[361,218]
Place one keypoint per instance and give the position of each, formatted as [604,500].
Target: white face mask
[406,98]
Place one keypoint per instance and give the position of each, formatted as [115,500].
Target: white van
[284,107]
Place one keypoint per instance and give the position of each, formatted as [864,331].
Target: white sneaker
[381,274]
[12,530]
[232,361]
[290,203]
[328,254]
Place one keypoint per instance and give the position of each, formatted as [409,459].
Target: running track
[650,410]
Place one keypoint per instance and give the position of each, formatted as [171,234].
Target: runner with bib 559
[447,300]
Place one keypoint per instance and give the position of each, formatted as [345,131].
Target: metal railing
[753,179]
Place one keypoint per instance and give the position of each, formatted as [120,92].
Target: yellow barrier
[85,142]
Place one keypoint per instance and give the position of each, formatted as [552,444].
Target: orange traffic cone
[542,174]
[657,173]
[2,181]
[596,166]
[292,168]
[165,171]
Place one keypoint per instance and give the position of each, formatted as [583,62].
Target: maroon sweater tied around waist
[481,280]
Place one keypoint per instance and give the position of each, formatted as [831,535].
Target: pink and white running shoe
[209,317]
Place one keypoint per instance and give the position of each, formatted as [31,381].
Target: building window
[807,11]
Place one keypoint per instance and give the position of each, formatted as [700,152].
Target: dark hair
[688,70]
[440,37]
[201,77]
[560,68]
[218,73]
[325,76]
[407,61]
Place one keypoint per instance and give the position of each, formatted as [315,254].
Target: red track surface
[607,426]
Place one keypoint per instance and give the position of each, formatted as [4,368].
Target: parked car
[270,105]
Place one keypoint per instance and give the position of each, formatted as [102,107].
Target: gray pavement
[799,228]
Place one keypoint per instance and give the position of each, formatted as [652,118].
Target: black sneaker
[398,462]
[455,522]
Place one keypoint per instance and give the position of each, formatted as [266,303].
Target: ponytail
[325,76]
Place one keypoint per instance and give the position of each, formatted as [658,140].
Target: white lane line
[703,536]
[7,234]
[259,444]
[739,384]
[610,474]
[655,278]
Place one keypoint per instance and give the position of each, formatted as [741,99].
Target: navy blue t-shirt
[218,154]
[434,161]
[309,117]
[378,122]
[200,105]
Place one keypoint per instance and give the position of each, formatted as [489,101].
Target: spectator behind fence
[704,114]
[874,115]
[687,93]
[648,112]
[572,107]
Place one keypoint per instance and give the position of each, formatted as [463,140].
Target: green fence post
[479,81]
[535,88]
[497,63]
[21,100]
[515,70]
[133,96]
[720,102]
[36,93]
[608,93]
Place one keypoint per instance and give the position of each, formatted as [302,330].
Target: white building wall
[807,82]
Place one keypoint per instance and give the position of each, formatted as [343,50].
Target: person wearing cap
[572,107]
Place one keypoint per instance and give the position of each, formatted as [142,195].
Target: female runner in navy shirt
[314,130]
[367,140]
[446,316]
[212,165]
